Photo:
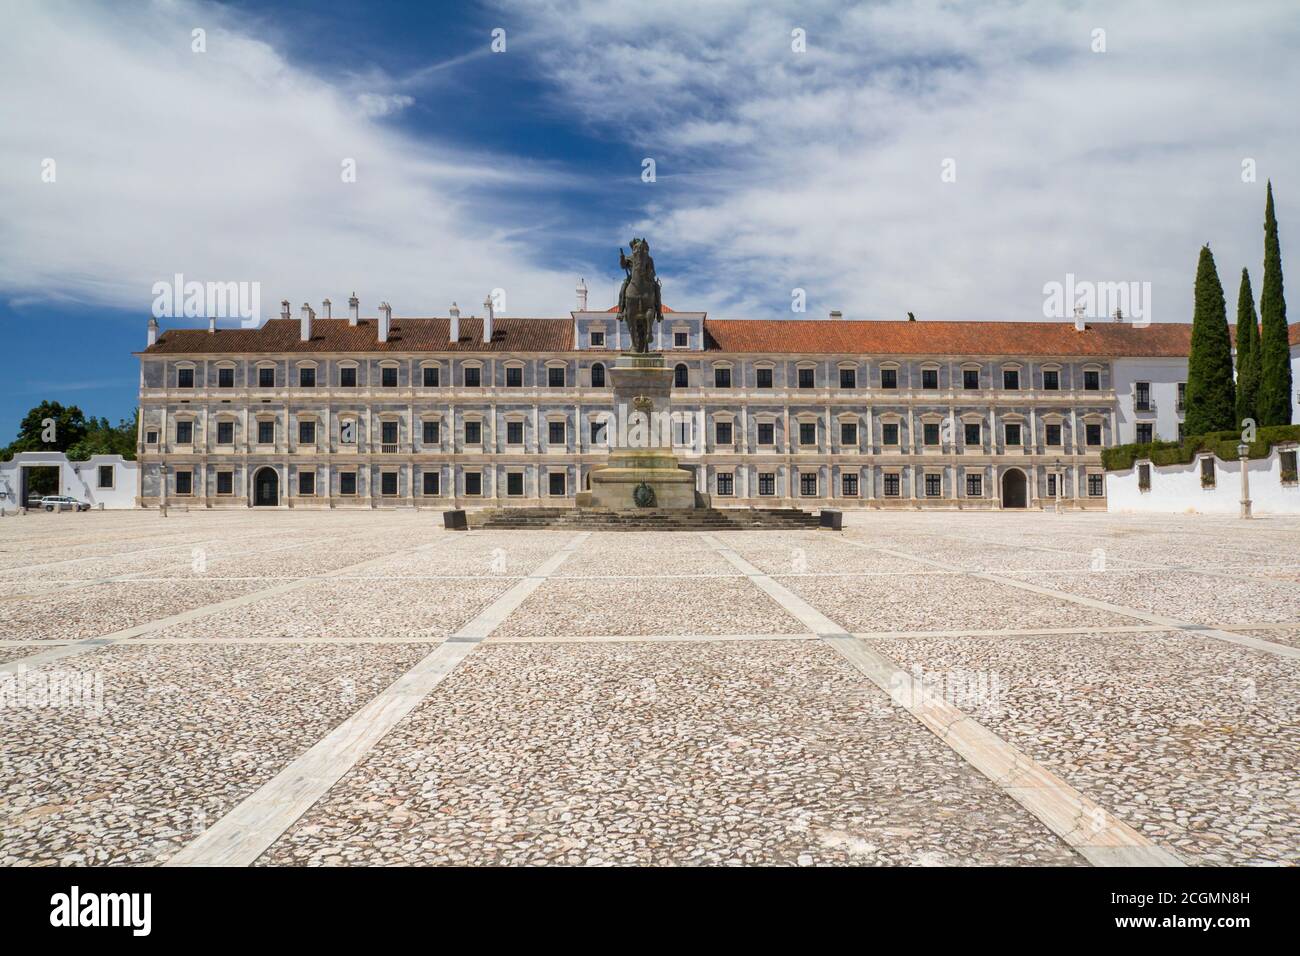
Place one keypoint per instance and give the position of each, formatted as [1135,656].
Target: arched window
[598,375]
[679,376]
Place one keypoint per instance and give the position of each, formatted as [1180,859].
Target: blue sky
[777,169]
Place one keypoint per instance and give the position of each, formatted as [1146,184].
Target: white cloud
[822,170]
[226,165]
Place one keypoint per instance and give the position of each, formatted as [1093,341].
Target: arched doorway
[266,488]
[1015,489]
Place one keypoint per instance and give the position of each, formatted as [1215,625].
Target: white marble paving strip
[1084,825]
[1170,623]
[244,834]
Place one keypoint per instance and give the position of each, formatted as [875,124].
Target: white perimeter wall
[1177,489]
[80,479]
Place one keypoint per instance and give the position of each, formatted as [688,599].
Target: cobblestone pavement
[643,698]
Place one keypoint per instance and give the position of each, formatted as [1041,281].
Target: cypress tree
[1247,352]
[1274,399]
[1211,397]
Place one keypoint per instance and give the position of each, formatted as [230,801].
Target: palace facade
[491,411]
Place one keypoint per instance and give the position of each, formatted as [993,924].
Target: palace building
[493,411]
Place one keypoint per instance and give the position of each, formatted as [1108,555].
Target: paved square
[296,688]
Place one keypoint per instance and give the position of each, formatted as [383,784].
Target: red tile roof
[778,336]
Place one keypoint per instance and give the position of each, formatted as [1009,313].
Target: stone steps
[697,519]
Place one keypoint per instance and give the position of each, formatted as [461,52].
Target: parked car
[63,503]
[34,499]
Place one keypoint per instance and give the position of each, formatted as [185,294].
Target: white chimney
[212,325]
[385,320]
[284,308]
[487,320]
[454,333]
[354,309]
[153,330]
[304,324]
[327,306]
[582,295]
[1079,323]
[836,315]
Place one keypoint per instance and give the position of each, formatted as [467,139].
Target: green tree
[1274,399]
[101,438]
[1247,352]
[64,426]
[1211,397]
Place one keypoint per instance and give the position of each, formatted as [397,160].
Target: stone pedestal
[641,440]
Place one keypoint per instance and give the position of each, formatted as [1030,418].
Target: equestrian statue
[639,300]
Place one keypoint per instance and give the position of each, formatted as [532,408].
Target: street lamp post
[1243,452]
[1060,480]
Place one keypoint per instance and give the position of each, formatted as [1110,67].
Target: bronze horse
[639,300]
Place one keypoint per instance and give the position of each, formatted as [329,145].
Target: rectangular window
[348,376]
[557,433]
[974,486]
[849,433]
[767,483]
[555,376]
[151,437]
[597,339]
[555,484]
[1144,477]
[105,476]
[306,484]
[265,432]
[848,378]
[1182,396]
[933,486]
[1096,486]
[767,433]
[930,378]
[184,482]
[1092,433]
[808,485]
[515,484]
[266,376]
[225,482]
[1052,433]
[388,483]
[681,340]
[764,377]
[388,376]
[889,433]
[185,378]
[970,378]
[1142,396]
[597,433]
[1091,380]
[1287,461]
[930,433]
[722,377]
[1011,379]
[1051,380]
[726,484]
[307,433]
[432,483]
[514,433]
[1012,433]
[473,376]
[473,433]
[972,436]
[1144,433]
[849,486]
[225,433]
[807,378]
[225,377]
[388,433]
[1051,486]
[430,373]
[1207,472]
[307,376]
[807,433]
[682,432]
[184,433]
[348,483]
[889,378]
[722,433]
[514,376]
[893,484]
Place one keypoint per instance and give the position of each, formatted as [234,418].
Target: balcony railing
[388,449]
